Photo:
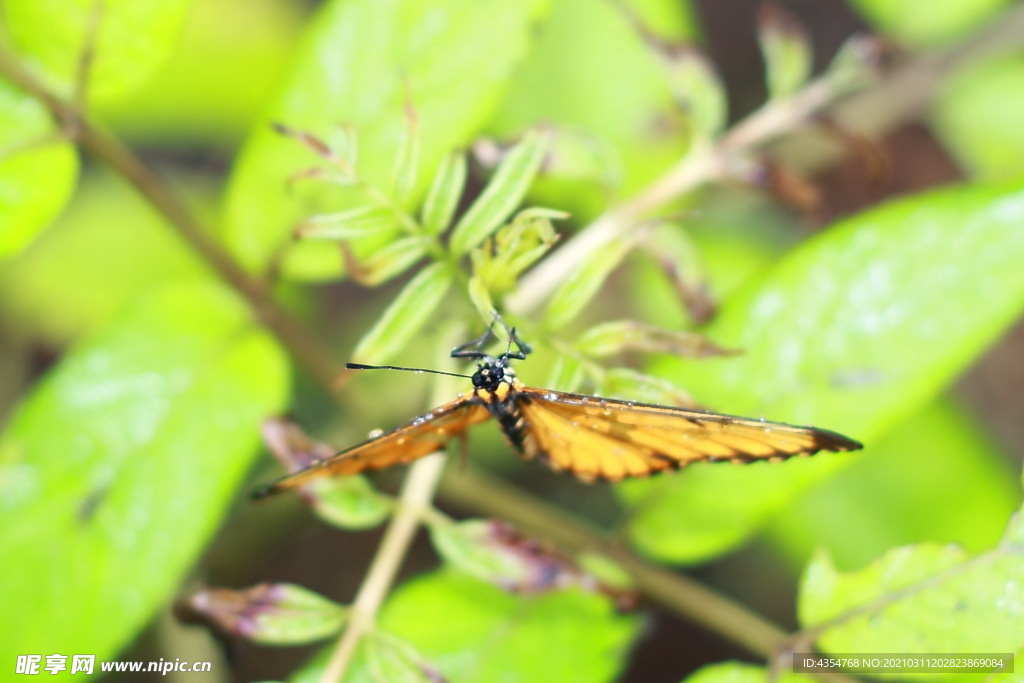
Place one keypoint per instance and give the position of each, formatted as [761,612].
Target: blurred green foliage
[114,473]
[121,460]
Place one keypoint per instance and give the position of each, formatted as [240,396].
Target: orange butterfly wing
[596,438]
[422,436]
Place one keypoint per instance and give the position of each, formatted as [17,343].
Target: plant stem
[680,594]
[416,495]
[900,96]
[472,489]
[414,506]
[703,163]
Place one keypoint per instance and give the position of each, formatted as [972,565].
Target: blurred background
[191,120]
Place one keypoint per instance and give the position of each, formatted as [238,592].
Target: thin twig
[703,164]
[471,488]
[904,93]
[414,506]
[683,596]
[901,95]
[416,495]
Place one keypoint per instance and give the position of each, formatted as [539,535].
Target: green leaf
[741,672]
[362,221]
[117,469]
[856,64]
[491,635]
[407,161]
[696,267]
[672,285]
[922,598]
[106,217]
[406,315]
[578,157]
[498,262]
[208,91]
[976,116]
[481,298]
[611,97]
[392,260]
[611,338]
[297,616]
[133,38]
[270,613]
[361,61]
[566,374]
[38,170]
[787,52]
[723,504]
[846,333]
[533,236]
[349,502]
[503,193]
[700,92]
[582,284]
[628,383]
[443,197]
[469,546]
[923,23]
[390,659]
[887,498]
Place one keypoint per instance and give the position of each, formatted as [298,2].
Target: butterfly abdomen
[511,420]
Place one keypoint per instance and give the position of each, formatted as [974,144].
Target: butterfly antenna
[360,366]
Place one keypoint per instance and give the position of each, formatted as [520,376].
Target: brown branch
[899,97]
[683,596]
[472,489]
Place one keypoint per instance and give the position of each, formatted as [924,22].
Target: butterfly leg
[472,349]
[522,348]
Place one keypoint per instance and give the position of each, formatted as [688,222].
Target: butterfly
[590,437]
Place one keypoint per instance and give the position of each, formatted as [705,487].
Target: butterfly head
[492,373]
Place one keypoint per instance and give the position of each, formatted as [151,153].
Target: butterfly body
[591,437]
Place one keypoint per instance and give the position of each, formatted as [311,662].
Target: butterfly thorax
[496,385]
[493,382]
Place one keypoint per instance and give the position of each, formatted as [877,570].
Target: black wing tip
[836,442]
[263,492]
